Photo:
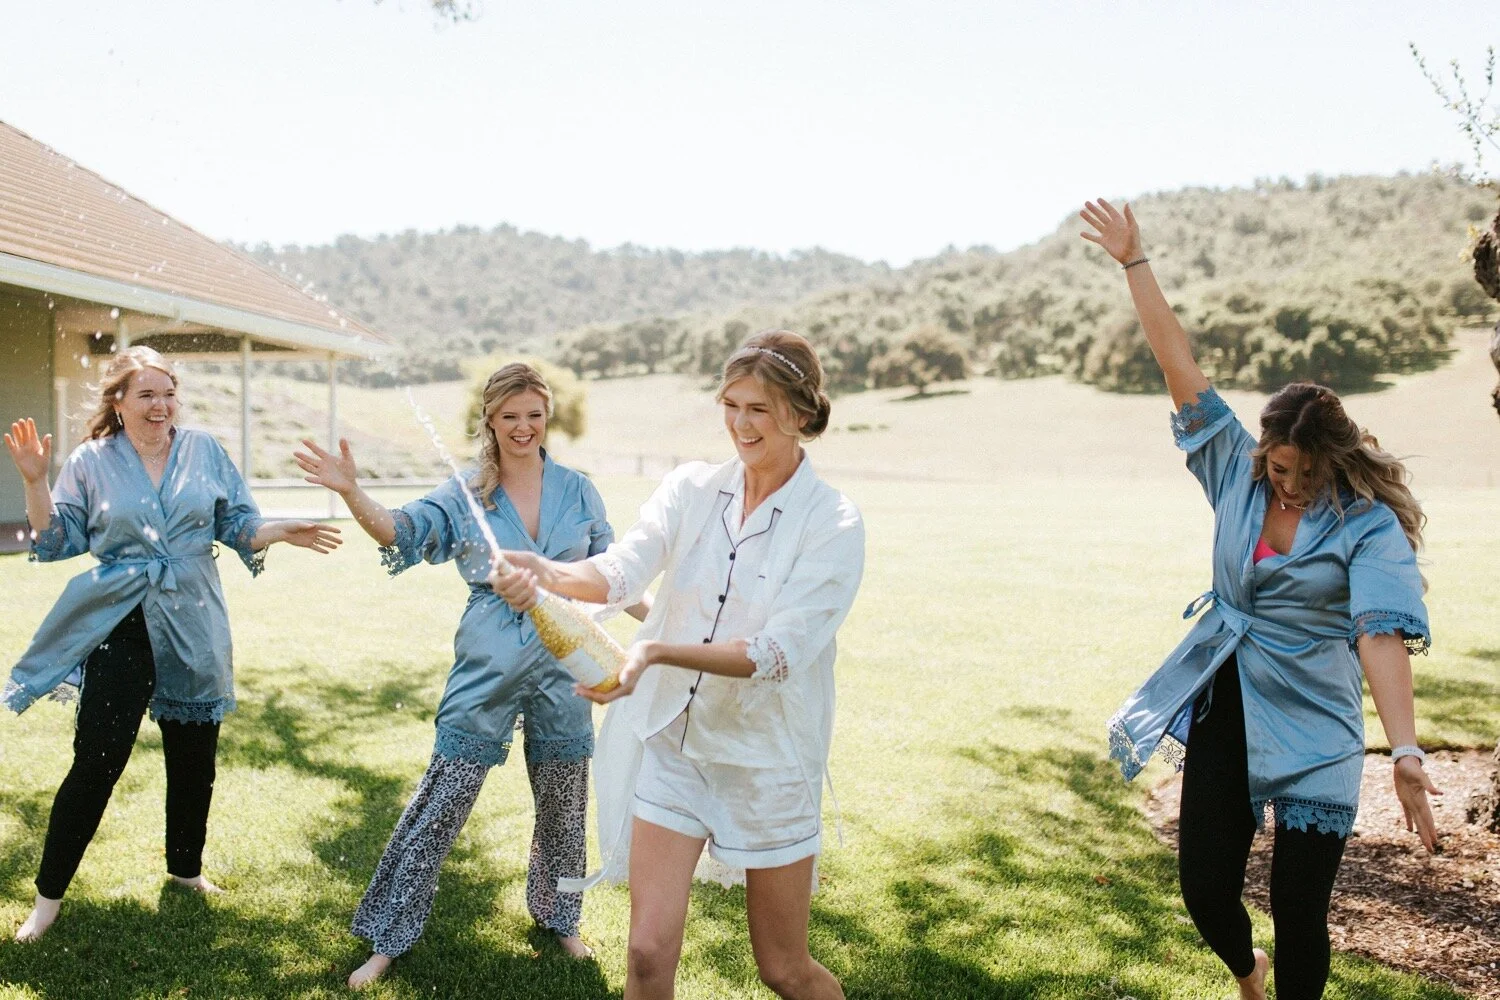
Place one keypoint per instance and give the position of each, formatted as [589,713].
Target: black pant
[118,680]
[1215,828]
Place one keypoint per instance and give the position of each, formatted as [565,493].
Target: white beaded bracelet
[1408,750]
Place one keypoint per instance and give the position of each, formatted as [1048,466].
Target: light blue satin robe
[500,668]
[154,546]
[1292,622]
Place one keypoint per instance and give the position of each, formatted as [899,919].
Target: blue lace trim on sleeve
[1201,413]
[570,749]
[1309,815]
[173,710]
[1413,631]
[455,744]
[49,544]
[16,697]
[401,554]
[255,561]
[1124,750]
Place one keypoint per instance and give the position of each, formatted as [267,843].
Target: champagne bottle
[587,652]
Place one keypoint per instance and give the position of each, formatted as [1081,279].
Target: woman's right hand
[1118,234]
[31,453]
[335,472]
[517,585]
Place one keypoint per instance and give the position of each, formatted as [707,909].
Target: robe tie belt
[1240,623]
[481,593]
[159,573]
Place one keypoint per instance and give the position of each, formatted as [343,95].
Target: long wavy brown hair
[515,377]
[115,382]
[1346,459]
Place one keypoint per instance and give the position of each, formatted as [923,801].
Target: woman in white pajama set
[760,562]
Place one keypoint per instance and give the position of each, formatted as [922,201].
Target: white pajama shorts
[752,817]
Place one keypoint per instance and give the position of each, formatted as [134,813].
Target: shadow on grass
[1466,708]
[1049,887]
[296,943]
[1046,867]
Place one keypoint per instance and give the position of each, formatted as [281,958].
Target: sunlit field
[989,849]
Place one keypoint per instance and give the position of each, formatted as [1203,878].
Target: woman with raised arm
[147,629]
[500,668]
[720,728]
[1314,576]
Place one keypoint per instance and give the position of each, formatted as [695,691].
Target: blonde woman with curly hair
[500,669]
[1315,585]
[146,630]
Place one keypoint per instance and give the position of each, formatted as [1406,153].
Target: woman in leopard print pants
[500,672]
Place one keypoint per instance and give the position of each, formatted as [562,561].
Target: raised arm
[339,474]
[32,455]
[1120,237]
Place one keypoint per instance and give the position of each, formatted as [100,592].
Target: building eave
[27,273]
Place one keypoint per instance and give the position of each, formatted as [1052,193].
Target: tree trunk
[1484,805]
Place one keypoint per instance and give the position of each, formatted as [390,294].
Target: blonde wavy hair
[515,377]
[1345,458]
[115,382]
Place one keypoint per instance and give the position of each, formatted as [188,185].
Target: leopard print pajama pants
[396,905]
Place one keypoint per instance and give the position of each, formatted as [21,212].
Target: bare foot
[574,946]
[198,884]
[42,915]
[372,970]
[1253,986]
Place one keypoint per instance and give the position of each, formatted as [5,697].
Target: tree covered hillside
[447,296]
[1338,280]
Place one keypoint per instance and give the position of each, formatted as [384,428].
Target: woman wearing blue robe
[147,628]
[500,669]
[1315,585]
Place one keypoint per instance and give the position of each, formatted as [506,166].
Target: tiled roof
[58,213]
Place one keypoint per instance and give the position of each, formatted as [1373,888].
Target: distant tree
[1019,354]
[570,404]
[928,356]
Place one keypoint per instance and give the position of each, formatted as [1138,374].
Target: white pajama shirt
[714,772]
[740,762]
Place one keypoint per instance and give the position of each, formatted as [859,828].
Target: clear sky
[881,129]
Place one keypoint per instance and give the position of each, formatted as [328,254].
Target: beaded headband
[779,357]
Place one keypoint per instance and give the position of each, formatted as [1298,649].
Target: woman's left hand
[1412,788]
[313,535]
[637,659]
[1115,231]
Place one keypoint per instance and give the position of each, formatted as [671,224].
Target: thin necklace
[1284,505]
[160,452]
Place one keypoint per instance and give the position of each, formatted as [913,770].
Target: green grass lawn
[991,850]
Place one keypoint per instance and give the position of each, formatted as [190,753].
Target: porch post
[333,425]
[245,407]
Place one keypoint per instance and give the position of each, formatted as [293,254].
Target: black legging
[118,680]
[1215,828]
